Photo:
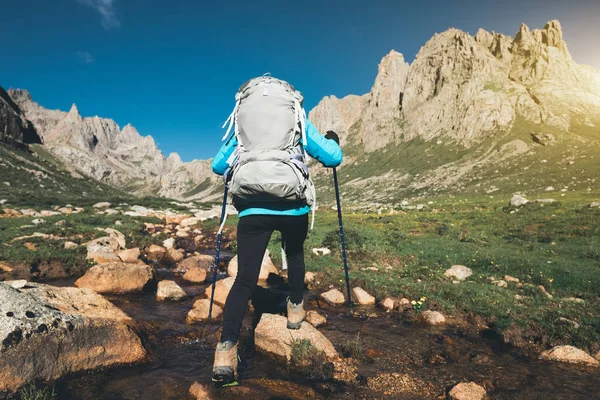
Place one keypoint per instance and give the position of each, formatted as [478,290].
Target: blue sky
[172,68]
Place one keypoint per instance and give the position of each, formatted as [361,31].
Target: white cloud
[85,57]
[107,12]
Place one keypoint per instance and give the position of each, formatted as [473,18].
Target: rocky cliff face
[15,129]
[99,148]
[466,105]
[468,88]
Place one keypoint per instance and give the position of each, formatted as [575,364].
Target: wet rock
[333,297]
[433,318]
[388,304]
[195,275]
[199,311]
[65,330]
[467,391]
[267,267]
[202,261]
[155,252]
[200,392]
[70,245]
[397,385]
[569,354]
[129,255]
[117,278]
[171,257]
[272,336]
[309,277]
[315,319]
[103,204]
[361,297]
[222,289]
[324,251]
[169,290]
[518,201]
[458,272]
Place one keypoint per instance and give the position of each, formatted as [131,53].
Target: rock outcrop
[15,129]
[48,332]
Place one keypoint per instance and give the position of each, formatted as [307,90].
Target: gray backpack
[268,165]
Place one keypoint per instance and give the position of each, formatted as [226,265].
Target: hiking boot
[226,363]
[295,314]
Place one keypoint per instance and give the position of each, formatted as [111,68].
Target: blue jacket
[326,151]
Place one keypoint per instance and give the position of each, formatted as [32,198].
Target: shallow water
[427,361]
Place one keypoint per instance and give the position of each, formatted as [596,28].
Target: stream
[404,360]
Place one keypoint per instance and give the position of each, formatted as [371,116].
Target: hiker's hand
[333,136]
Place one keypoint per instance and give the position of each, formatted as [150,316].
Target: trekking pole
[219,236]
[339,212]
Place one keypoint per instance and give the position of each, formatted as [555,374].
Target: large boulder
[195,275]
[222,289]
[267,267]
[333,297]
[47,332]
[569,354]
[117,278]
[271,336]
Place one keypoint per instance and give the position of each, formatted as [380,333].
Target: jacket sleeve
[223,158]
[325,151]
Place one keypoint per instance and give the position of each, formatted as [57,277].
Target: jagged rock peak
[174,161]
[484,37]
[19,94]
[74,114]
[552,35]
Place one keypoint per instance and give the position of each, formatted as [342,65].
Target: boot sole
[221,381]
[294,326]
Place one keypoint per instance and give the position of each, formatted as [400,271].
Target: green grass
[552,245]
[35,392]
[309,361]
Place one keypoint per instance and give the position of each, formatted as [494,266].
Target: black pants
[253,235]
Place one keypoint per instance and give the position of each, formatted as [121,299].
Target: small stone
[388,304]
[30,246]
[155,253]
[199,391]
[169,290]
[199,311]
[568,322]
[267,267]
[595,204]
[458,272]
[467,391]
[509,278]
[361,297]
[315,319]
[70,245]
[518,201]
[569,354]
[189,222]
[501,283]
[309,277]
[169,243]
[129,255]
[333,297]
[404,301]
[171,257]
[182,234]
[324,251]
[18,284]
[433,318]
[574,300]
[103,204]
[543,290]
[195,275]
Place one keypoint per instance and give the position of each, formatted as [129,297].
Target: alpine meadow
[469,201]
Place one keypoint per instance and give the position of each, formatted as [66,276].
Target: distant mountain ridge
[100,149]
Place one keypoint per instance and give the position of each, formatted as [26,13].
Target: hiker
[263,160]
